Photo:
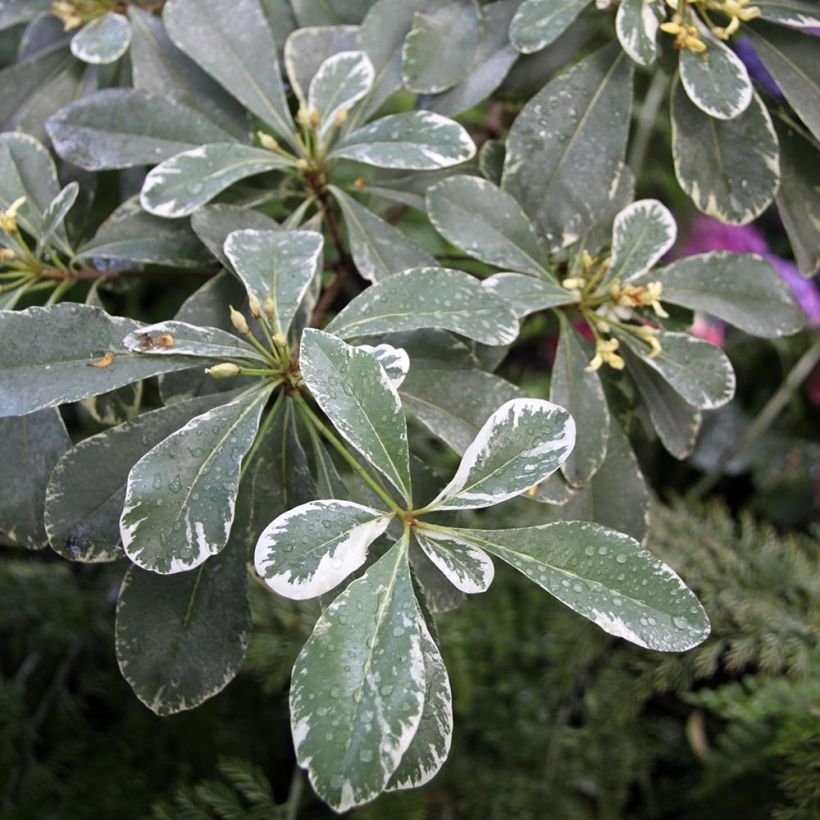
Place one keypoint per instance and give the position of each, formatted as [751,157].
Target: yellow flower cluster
[637,296]
[75,13]
[8,218]
[736,10]
[605,354]
[685,36]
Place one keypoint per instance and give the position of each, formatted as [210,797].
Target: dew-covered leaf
[428,298]
[528,294]
[359,684]
[103,40]
[636,24]
[430,746]
[439,50]
[86,490]
[378,249]
[465,566]
[341,81]
[55,215]
[730,168]
[607,577]
[641,234]
[537,23]
[237,49]
[582,394]
[414,140]
[180,338]
[279,264]
[356,394]
[308,47]
[57,354]
[30,446]
[676,422]
[161,68]
[188,180]
[394,360]
[27,170]
[214,223]
[700,372]
[742,289]
[181,639]
[181,495]
[791,58]
[131,235]
[124,128]
[311,549]
[566,147]
[487,223]
[521,444]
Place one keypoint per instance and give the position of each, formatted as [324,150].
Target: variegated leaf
[464,565]
[537,23]
[415,140]
[311,549]
[394,360]
[528,294]
[605,576]
[799,14]
[356,394]
[428,298]
[522,443]
[103,40]
[279,264]
[359,684]
[341,81]
[308,47]
[636,24]
[642,233]
[181,495]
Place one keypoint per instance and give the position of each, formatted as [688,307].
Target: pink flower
[710,330]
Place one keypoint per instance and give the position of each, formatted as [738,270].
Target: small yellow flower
[605,354]
[573,283]
[8,218]
[650,336]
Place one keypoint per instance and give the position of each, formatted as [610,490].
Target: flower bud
[239,322]
[254,305]
[224,370]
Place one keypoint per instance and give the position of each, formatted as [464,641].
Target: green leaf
[186,181]
[181,639]
[311,549]
[237,49]
[214,223]
[453,404]
[103,40]
[307,48]
[181,495]
[426,298]
[358,685]
[430,746]
[794,13]
[30,446]
[340,82]
[439,50]
[537,23]
[161,68]
[48,356]
[729,168]
[55,215]
[742,289]
[131,235]
[355,393]
[641,234]
[378,249]
[701,373]
[124,128]
[582,394]
[527,294]
[600,232]
[522,443]
[791,58]
[329,12]
[676,422]
[715,80]
[494,57]
[466,567]
[797,201]
[27,170]
[86,491]
[191,340]
[566,147]
[414,140]
[279,264]
[636,24]
[487,223]
[436,591]
[394,360]
[607,577]
[616,496]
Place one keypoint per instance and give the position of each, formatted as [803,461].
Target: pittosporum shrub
[274,446]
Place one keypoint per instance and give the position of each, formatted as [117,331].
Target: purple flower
[754,65]
[707,234]
[804,290]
